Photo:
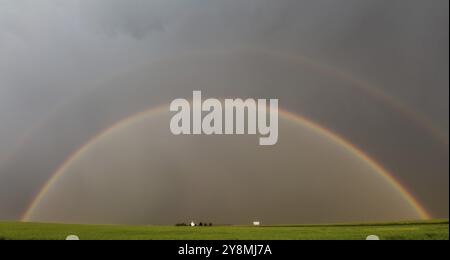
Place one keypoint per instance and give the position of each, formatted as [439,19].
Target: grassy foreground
[424,230]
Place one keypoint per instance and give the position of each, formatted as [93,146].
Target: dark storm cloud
[400,47]
[53,54]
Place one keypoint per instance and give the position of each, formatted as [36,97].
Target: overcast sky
[69,69]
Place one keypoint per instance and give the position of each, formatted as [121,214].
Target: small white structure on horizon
[193,224]
[72,238]
[256,223]
[373,238]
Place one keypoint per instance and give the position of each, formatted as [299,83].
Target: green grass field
[424,230]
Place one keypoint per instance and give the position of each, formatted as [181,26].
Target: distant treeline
[201,224]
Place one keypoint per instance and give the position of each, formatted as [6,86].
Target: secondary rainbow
[395,104]
[376,93]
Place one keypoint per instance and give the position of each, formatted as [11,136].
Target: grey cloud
[134,18]
[57,59]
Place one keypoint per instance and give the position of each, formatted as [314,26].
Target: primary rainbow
[295,118]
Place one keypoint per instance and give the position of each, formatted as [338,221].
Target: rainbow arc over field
[360,85]
[365,87]
[372,91]
[285,114]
